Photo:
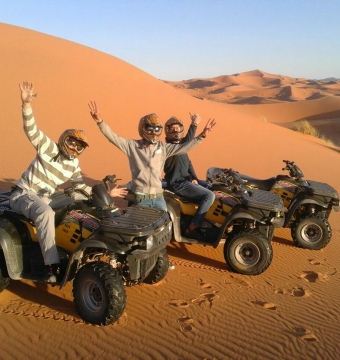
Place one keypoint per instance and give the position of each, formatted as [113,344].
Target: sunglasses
[74,145]
[150,128]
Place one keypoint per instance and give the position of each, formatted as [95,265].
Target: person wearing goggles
[180,176]
[53,165]
[147,155]
[73,144]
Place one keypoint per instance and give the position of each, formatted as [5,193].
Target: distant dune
[283,99]
[257,87]
[201,310]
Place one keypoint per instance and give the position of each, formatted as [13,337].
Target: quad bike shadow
[28,293]
[183,251]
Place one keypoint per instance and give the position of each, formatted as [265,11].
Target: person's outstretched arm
[37,138]
[195,120]
[118,141]
[177,149]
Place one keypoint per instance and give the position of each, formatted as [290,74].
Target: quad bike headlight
[278,220]
[149,242]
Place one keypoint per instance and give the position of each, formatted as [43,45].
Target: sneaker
[51,273]
[171,266]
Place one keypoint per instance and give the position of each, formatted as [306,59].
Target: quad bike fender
[95,242]
[174,211]
[10,244]
[242,215]
[297,203]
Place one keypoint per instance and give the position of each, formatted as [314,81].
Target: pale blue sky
[185,39]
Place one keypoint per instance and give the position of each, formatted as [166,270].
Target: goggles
[150,128]
[173,129]
[74,145]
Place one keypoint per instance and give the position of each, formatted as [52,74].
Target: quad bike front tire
[311,232]
[248,252]
[160,269]
[99,293]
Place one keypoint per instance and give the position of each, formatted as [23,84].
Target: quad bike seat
[184,199]
[265,184]
[59,204]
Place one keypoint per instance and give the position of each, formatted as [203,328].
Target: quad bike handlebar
[294,170]
[229,177]
[108,179]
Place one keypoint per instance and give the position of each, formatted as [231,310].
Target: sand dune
[268,88]
[201,310]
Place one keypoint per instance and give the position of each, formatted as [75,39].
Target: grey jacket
[147,160]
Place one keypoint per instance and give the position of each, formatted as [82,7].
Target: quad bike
[309,204]
[100,249]
[245,219]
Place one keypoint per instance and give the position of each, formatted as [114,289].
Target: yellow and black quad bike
[244,219]
[101,250]
[309,204]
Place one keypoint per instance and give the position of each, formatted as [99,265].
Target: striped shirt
[50,168]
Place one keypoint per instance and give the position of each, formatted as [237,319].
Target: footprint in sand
[204,285]
[208,298]
[178,303]
[303,333]
[300,292]
[231,280]
[312,276]
[314,262]
[185,323]
[265,305]
[297,291]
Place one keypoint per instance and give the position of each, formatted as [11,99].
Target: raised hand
[94,112]
[210,124]
[195,118]
[27,94]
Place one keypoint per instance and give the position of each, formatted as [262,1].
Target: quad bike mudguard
[300,200]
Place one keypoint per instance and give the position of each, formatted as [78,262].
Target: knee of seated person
[212,197]
[211,194]
[48,213]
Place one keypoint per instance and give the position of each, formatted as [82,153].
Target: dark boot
[196,234]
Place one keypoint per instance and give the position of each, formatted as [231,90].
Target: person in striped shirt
[54,164]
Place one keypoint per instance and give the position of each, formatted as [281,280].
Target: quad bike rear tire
[4,282]
[99,293]
[248,252]
[311,232]
[160,269]
[4,279]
